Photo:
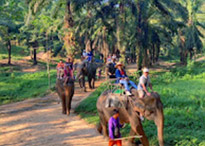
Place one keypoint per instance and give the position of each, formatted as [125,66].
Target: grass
[17,52]
[18,86]
[182,93]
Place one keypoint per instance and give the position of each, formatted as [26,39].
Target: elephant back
[109,99]
[60,83]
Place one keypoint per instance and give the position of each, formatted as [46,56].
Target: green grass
[183,96]
[18,86]
[17,52]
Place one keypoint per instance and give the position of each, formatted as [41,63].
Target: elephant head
[86,69]
[81,69]
[152,109]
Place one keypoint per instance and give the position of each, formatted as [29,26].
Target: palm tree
[36,6]
[190,34]
[10,22]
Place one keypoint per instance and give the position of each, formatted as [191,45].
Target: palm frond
[200,24]
[177,8]
[161,8]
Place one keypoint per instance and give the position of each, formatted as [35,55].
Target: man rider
[144,83]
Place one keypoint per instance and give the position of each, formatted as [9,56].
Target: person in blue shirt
[122,78]
[90,56]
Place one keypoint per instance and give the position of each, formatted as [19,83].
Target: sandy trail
[39,122]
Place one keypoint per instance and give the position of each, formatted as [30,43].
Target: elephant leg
[89,82]
[80,83]
[93,82]
[84,84]
[144,139]
[68,105]
[71,97]
[137,128]
[105,131]
[99,128]
[103,125]
[63,102]
[68,93]
[131,140]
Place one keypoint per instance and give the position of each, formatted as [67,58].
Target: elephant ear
[150,101]
[158,102]
[139,105]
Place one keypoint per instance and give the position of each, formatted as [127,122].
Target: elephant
[65,93]
[151,107]
[110,70]
[87,69]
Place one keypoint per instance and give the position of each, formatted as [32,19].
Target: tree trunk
[34,57]
[157,53]
[153,54]
[9,52]
[120,33]
[68,24]
[139,58]
[191,54]
[105,45]
[145,58]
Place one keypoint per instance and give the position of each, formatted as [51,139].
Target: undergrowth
[17,86]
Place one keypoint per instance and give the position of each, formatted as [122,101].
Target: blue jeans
[125,83]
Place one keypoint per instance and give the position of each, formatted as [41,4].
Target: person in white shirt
[144,83]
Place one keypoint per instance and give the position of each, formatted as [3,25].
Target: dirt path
[39,122]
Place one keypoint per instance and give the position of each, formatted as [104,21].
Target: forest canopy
[144,30]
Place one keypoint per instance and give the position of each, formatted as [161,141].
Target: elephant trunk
[159,121]
[79,75]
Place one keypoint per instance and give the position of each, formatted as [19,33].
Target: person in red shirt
[68,70]
[60,68]
[122,78]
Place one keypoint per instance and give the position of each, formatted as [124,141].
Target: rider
[68,70]
[111,68]
[87,56]
[60,67]
[144,83]
[123,78]
[90,56]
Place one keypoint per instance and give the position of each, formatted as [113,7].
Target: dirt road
[39,122]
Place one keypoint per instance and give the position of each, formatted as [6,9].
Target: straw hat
[118,64]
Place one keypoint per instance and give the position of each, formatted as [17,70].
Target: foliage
[11,19]
[190,35]
[182,94]
[17,86]
[139,27]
